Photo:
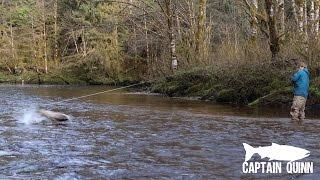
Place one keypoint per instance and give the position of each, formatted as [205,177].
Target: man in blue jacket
[301,87]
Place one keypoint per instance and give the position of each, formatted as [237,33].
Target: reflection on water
[130,135]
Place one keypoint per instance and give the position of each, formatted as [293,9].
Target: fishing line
[97,93]
[62,117]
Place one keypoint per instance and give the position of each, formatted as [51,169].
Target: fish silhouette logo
[276,152]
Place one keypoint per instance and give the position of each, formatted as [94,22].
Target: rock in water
[54,115]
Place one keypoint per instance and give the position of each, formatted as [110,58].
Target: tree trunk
[305,21]
[135,46]
[12,47]
[44,37]
[273,33]
[316,19]
[12,44]
[254,23]
[191,19]
[116,44]
[34,39]
[294,11]
[55,32]
[282,18]
[75,41]
[84,43]
[312,15]
[200,35]
[146,36]
[301,21]
[178,27]
[169,13]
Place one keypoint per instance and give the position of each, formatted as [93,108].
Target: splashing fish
[54,115]
[35,116]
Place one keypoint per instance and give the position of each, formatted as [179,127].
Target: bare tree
[282,17]
[84,42]
[305,19]
[200,35]
[294,11]
[44,36]
[316,18]
[170,16]
[56,32]
[253,8]
[273,32]
[301,17]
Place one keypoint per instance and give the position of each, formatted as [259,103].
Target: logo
[276,154]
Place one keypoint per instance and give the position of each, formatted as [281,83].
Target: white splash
[30,116]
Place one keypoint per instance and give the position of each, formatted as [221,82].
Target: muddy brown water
[128,135]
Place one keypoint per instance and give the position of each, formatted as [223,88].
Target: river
[129,135]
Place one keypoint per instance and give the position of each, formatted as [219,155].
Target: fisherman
[301,87]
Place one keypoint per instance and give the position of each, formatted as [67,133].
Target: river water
[127,135]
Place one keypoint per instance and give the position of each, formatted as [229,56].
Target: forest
[236,51]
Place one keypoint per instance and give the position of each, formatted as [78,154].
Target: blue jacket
[301,82]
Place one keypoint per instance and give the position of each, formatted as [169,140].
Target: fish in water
[276,152]
[54,115]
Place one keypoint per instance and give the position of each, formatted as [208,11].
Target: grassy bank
[253,85]
[62,78]
[36,78]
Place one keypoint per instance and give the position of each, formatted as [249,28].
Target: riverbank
[255,85]
[62,78]
[252,85]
